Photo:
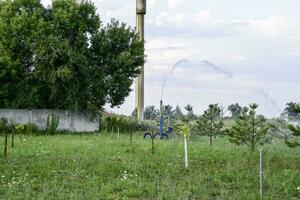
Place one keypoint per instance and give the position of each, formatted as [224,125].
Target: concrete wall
[68,120]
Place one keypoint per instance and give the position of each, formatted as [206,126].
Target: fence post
[130,136]
[5,143]
[118,133]
[13,137]
[261,173]
[152,138]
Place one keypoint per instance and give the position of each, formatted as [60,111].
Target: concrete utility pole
[139,84]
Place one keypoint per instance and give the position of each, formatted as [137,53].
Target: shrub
[52,123]
[124,123]
[30,128]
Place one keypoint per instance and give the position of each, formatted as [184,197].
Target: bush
[125,124]
[30,129]
[52,123]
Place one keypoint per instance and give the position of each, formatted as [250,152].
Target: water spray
[266,95]
[217,69]
[171,73]
[162,134]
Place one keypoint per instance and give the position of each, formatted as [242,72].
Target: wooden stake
[261,174]
[13,138]
[152,138]
[118,133]
[5,143]
[130,136]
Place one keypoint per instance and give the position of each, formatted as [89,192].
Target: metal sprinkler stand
[161,134]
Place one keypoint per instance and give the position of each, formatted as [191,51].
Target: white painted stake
[186,164]
[118,133]
[261,173]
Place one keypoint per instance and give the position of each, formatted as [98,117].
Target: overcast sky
[237,51]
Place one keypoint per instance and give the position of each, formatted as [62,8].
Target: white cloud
[272,26]
[172,4]
[238,58]
[204,18]
[164,18]
[151,3]
[165,43]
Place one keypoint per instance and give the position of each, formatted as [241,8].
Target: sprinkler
[161,133]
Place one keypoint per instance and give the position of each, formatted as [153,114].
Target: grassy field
[102,167]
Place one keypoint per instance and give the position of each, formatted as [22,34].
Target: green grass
[102,167]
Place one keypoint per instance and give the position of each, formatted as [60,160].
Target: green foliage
[291,111]
[279,128]
[177,113]
[250,129]
[185,130]
[125,124]
[20,128]
[189,116]
[210,123]
[235,110]
[151,113]
[30,129]
[52,123]
[295,128]
[62,57]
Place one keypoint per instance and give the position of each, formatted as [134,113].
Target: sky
[233,51]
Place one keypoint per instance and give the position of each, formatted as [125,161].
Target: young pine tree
[249,129]
[210,123]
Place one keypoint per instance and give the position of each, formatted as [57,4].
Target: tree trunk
[211,132]
[253,134]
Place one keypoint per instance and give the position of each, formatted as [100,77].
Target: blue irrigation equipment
[161,132]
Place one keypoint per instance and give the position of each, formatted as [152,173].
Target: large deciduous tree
[295,129]
[63,57]
[151,113]
[235,110]
[291,112]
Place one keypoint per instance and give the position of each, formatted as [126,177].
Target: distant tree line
[152,113]
[246,127]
